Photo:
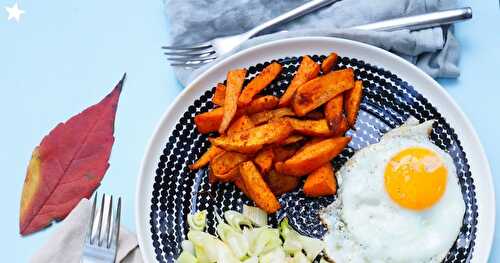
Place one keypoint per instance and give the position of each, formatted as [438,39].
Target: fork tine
[189,59]
[99,224]
[116,224]
[191,53]
[194,47]
[110,214]
[91,223]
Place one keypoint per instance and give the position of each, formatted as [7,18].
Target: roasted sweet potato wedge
[240,124]
[310,142]
[229,176]
[321,182]
[264,160]
[219,95]
[238,181]
[293,139]
[211,177]
[259,83]
[311,157]
[311,127]
[257,188]
[341,127]
[222,166]
[234,83]
[265,116]
[209,121]
[281,153]
[252,140]
[263,103]
[209,155]
[280,183]
[308,70]
[334,109]
[320,90]
[315,115]
[352,100]
[329,62]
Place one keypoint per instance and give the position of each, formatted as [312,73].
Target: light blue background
[66,55]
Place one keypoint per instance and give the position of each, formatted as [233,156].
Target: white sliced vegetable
[263,240]
[187,246]
[236,220]
[272,244]
[300,258]
[312,246]
[256,215]
[214,249]
[197,221]
[218,218]
[292,245]
[201,255]
[234,239]
[285,228]
[186,257]
[274,256]
[236,243]
[251,234]
[224,230]
[253,259]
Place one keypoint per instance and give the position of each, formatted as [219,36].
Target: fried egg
[398,200]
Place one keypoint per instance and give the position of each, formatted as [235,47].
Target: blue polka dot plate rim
[394,90]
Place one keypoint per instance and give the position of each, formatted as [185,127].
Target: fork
[196,55]
[97,249]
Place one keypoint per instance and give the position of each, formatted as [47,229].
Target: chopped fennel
[253,259]
[234,239]
[299,257]
[236,220]
[275,255]
[187,246]
[213,249]
[186,257]
[311,246]
[246,238]
[263,239]
[198,220]
[256,215]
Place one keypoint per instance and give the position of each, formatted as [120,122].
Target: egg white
[366,225]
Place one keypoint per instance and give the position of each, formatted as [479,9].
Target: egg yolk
[415,178]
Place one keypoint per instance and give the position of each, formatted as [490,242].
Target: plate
[394,90]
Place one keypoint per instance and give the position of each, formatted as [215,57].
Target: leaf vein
[65,170]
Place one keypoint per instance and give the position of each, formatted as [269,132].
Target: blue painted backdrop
[66,55]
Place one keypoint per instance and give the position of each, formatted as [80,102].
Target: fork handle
[420,21]
[290,15]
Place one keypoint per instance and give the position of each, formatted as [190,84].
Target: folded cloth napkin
[435,50]
[66,244]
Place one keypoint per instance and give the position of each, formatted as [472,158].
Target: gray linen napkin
[434,50]
[66,244]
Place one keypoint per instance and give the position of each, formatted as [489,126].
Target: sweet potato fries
[267,145]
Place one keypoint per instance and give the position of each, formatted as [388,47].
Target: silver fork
[101,247]
[196,55]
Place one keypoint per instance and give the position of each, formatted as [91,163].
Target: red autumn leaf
[68,165]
